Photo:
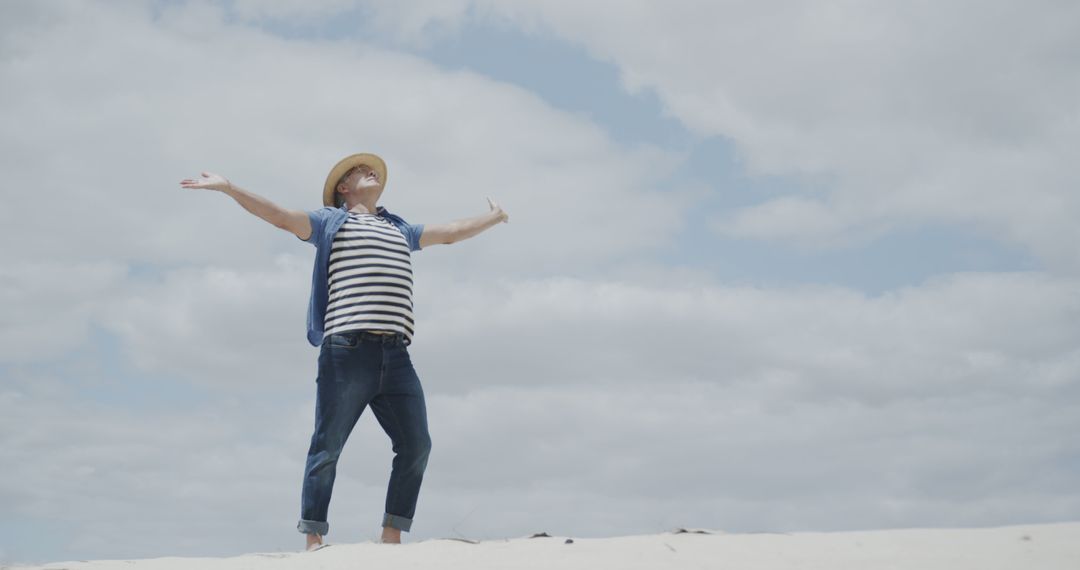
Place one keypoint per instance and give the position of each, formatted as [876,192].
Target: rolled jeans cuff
[397,522]
[313,527]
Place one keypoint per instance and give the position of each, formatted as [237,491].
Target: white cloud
[904,112]
[116,103]
[220,326]
[577,459]
[233,330]
[48,306]
[124,107]
[288,9]
[636,406]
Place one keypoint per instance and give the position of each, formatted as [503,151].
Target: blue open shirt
[325,222]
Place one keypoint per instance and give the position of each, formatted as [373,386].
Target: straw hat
[346,164]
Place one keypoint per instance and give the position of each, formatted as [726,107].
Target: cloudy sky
[769,267]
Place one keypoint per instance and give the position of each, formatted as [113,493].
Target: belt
[379,336]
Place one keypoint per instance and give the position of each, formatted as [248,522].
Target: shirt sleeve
[412,234]
[318,224]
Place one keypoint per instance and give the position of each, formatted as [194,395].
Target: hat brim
[346,164]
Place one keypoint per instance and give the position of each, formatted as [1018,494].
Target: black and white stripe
[370,278]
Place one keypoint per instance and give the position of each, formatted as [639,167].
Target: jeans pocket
[343,340]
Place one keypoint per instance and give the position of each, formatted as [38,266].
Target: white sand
[1026,547]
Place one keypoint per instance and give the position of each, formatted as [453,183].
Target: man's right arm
[294,221]
[297,222]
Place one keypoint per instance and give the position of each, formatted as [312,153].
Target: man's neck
[360,208]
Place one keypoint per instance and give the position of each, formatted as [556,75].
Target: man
[360,315]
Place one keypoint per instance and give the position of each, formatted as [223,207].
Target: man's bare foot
[314,541]
[391,535]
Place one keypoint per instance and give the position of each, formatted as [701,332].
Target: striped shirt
[370,278]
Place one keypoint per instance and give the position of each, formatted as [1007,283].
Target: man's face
[361,180]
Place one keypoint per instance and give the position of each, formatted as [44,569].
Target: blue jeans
[358,368]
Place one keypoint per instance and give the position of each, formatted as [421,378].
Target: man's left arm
[462,229]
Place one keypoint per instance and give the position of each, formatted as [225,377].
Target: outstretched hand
[209,181]
[503,216]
